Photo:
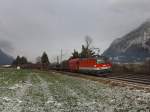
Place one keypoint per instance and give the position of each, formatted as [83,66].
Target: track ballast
[128,78]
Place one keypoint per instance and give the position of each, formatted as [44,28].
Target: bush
[132,68]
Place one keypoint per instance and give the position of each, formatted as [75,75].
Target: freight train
[97,65]
[94,65]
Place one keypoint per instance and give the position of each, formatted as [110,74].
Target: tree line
[43,61]
[86,52]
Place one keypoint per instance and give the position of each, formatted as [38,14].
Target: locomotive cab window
[100,61]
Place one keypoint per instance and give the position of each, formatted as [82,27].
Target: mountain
[133,47]
[4,58]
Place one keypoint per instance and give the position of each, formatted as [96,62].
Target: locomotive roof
[95,58]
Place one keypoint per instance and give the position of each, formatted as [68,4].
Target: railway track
[134,78]
[128,78]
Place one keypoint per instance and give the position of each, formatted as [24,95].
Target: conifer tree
[20,61]
[16,62]
[86,51]
[75,54]
[45,61]
[23,60]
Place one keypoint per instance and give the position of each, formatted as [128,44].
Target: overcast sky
[29,27]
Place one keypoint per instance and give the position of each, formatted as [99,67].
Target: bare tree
[86,49]
[38,60]
[88,41]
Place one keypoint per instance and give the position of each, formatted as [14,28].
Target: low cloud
[6,46]
[34,26]
[131,5]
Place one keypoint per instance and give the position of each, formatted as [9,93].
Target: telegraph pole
[61,56]
[57,59]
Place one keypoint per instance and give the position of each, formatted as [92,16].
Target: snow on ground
[28,91]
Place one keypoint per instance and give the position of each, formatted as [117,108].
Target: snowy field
[30,91]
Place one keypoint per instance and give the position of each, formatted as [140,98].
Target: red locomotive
[90,65]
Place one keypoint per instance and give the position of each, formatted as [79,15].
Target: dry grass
[36,91]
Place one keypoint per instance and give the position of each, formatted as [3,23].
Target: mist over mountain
[133,47]
[5,59]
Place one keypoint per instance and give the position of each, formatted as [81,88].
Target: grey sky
[34,26]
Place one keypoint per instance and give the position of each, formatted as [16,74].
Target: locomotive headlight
[94,65]
[98,68]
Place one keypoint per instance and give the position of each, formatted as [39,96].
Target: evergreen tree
[75,54]
[20,61]
[83,52]
[23,60]
[45,61]
[16,62]
[86,52]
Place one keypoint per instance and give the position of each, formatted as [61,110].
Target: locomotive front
[103,66]
[94,65]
